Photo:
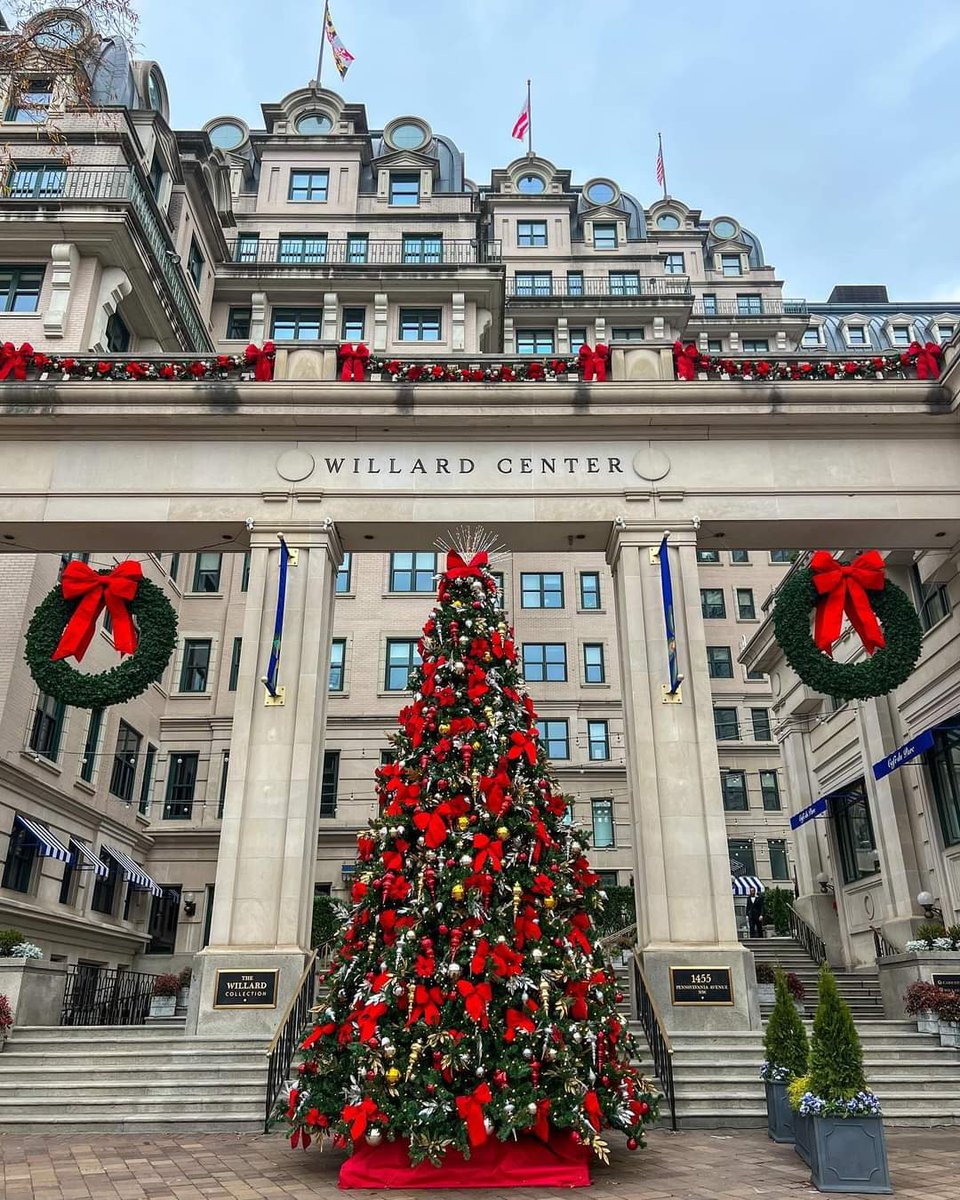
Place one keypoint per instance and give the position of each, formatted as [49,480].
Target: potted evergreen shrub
[921,1000]
[948,1015]
[163,1001]
[838,1120]
[185,976]
[776,911]
[785,1058]
[765,983]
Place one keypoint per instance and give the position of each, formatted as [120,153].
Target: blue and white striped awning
[50,846]
[743,884]
[134,875]
[101,869]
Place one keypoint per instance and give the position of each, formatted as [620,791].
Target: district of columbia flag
[522,123]
[342,58]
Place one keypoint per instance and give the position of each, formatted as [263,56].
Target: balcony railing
[313,252]
[725,309]
[62,184]
[643,287]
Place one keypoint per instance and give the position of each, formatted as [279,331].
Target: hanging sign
[816,809]
[903,754]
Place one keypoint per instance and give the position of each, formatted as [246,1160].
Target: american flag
[522,123]
[342,57]
[661,174]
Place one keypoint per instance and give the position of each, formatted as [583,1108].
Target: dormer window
[405,188]
[530,185]
[604,236]
[31,101]
[811,338]
[668,221]
[856,335]
[945,332]
[731,264]
[900,335]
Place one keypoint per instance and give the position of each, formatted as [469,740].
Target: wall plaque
[246,989]
[701,985]
[949,983]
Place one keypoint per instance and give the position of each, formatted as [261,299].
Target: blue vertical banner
[666,586]
[273,668]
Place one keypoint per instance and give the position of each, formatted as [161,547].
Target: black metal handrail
[542,286]
[287,1038]
[808,937]
[882,948]
[306,250]
[768,307]
[98,996]
[661,1048]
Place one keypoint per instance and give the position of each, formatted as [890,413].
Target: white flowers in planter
[26,950]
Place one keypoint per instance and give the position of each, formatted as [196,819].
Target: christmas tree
[467,1000]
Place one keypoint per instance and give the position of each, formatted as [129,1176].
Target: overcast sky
[831,128]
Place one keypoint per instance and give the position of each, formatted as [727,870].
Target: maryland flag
[341,55]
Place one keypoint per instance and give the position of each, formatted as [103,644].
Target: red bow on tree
[541,1123]
[470,1109]
[577,991]
[496,792]
[843,589]
[523,745]
[488,852]
[593,362]
[591,1106]
[319,1031]
[506,962]
[926,357]
[96,592]
[517,1022]
[359,1116]
[261,360]
[458,569]
[15,362]
[353,361]
[426,1005]
[685,360]
[478,964]
[526,928]
[476,1000]
[432,824]
[578,932]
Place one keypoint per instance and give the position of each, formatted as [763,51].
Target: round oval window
[724,229]
[226,135]
[314,123]
[531,184]
[600,193]
[154,93]
[668,221]
[408,136]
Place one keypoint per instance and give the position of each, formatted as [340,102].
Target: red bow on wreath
[261,360]
[458,569]
[96,592]
[843,589]
[353,362]
[470,1109]
[685,360]
[593,362]
[926,357]
[13,361]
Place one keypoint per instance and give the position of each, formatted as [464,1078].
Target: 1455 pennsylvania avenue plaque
[246,989]
[701,985]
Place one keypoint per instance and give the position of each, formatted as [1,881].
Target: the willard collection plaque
[246,989]
[949,983]
[701,985]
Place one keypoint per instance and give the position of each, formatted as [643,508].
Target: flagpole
[663,165]
[529,122]
[323,38]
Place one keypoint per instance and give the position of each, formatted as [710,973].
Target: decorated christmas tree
[469,1017]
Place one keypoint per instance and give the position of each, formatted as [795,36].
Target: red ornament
[500,1077]
[632,1144]
[371,1076]
[643,1108]
[575,1137]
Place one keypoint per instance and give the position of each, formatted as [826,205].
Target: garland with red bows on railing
[17,362]
[924,360]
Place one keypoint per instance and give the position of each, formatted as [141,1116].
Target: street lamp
[930,910]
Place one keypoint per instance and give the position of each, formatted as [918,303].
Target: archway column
[263,899]
[685,910]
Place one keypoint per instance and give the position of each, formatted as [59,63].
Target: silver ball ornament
[453,970]
[532,1108]
[373,1137]
[528,1053]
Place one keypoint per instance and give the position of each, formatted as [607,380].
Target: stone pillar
[685,914]
[268,842]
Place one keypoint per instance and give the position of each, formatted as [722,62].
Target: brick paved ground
[686,1166]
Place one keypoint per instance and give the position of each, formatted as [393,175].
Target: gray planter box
[928,1022]
[779,1114]
[849,1154]
[766,993]
[950,1034]
[163,1006]
[803,1137]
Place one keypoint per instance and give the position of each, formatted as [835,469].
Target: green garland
[875,676]
[156,638]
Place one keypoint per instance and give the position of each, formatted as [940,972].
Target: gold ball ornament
[463,822]
[502,832]
[457,891]
[550,902]
[393,1077]
[476,746]
[444,728]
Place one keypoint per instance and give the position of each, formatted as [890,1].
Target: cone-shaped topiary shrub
[785,1041]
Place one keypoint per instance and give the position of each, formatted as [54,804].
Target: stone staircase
[126,1078]
[860,989]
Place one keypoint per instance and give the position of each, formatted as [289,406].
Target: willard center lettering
[509,465]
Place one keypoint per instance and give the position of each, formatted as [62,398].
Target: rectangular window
[181,786]
[89,761]
[195,668]
[207,915]
[931,600]
[594,670]
[756,346]
[224,779]
[358,247]
[338,657]
[943,762]
[598,740]
[712,603]
[604,236]
[673,264]
[779,867]
[577,339]
[715,345]
[749,304]
[247,248]
[296,324]
[125,756]
[234,664]
[601,813]
[901,335]
[618,334]
[20,289]
[534,341]
[238,324]
[770,791]
[624,283]
[742,861]
[146,783]
[195,263]
[811,338]
[708,556]
[739,556]
[413,572]
[31,101]
[733,784]
[545,662]
[531,233]
[725,725]
[353,324]
[709,302]
[298,248]
[575,286]
[761,724]
[730,264]
[783,556]
[47,727]
[206,571]
[164,917]
[856,335]
[555,738]
[541,590]
[945,333]
[344,573]
[719,662]
[104,899]
[419,325]
[245,572]
[405,188]
[308,186]
[329,783]
[174,570]
[402,657]
[117,334]
[754,674]
[37,181]
[590,590]
[533,283]
[423,248]
[856,843]
[21,857]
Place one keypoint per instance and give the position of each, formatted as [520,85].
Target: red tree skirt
[527,1162]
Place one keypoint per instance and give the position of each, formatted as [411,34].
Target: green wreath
[883,671]
[156,638]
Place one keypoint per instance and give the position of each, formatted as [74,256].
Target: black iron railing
[658,1040]
[762,307]
[97,996]
[543,286]
[288,1036]
[883,948]
[808,937]
[313,252]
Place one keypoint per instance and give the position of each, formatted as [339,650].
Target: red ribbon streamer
[458,569]
[353,362]
[591,1106]
[593,362]
[470,1109]
[261,359]
[843,589]
[96,592]
[15,362]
